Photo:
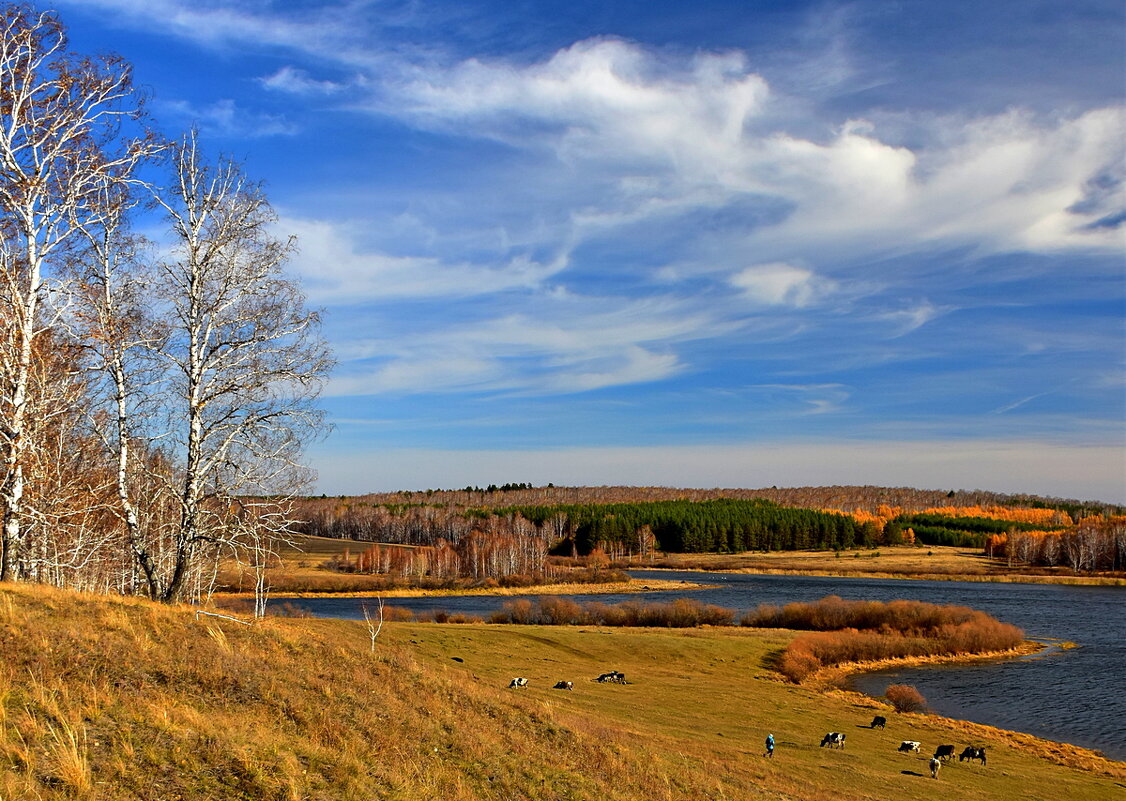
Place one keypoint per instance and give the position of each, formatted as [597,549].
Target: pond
[1073,695]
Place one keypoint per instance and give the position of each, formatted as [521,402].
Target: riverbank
[625,587]
[935,563]
[837,676]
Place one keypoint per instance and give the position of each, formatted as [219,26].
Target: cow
[878,722]
[614,677]
[971,754]
[833,738]
[910,745]
[936,763]
[564,685]
[518,682]
[944,752]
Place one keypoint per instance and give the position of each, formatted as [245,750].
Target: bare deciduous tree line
[1093,545]
[153,408]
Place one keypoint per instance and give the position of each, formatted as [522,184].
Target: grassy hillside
[121,699]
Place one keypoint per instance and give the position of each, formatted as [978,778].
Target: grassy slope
[111,698]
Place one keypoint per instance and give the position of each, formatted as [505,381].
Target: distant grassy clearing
[927,562]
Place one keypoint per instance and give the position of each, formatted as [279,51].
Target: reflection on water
[1073,695]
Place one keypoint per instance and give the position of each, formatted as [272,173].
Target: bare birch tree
[110,315]
[61,118]
[246,356]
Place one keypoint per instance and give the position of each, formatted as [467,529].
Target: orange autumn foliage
[1039,517]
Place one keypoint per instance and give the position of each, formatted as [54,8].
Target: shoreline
[1016,578]
[635,587]
[835,679]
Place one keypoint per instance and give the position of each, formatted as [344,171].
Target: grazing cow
[944,752]
[909,745]
[878,722]
[564,685]
[936,763]
[971,754]
[518,682]
[833,738]
[614,677]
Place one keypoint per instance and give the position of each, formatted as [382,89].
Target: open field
[936,562]
[299,574]
[108,698]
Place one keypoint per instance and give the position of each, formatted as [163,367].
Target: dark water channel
[1076,695]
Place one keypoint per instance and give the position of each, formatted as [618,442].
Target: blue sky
[707,244]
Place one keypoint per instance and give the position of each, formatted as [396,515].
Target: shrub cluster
[681,613]
[905,698]
[832,614]
[865,631]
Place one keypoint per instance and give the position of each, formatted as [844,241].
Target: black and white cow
[519,681]
[564,685]
[936,763]
[910,745]
[971,754]
[614,677]
[833,738]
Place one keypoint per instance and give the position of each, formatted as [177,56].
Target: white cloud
[298,82]
[226,119]
[671,130]
[780,284]
[571,344]
[907,320]
[646,133]
[335,270]
[815,398]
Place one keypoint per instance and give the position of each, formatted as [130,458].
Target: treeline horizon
[436,523]
[845,497]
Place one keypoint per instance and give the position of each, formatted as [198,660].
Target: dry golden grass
[109,698]
[936,563]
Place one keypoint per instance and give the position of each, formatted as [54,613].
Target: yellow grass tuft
[69,748]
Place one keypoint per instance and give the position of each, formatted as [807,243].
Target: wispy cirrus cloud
[225,118]
[295,81]
[336,270]
[570,344]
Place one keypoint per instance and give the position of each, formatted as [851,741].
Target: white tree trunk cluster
[153,412]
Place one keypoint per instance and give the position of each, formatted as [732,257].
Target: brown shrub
[797,663]
[555,611]
[905,698]
[920,630]
[397,613]
[832,613]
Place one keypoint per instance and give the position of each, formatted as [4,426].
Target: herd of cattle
[613,677]
[941,754]
[833,739]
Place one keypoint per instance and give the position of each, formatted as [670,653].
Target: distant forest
[637,520]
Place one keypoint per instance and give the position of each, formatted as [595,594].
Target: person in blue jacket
[770,745]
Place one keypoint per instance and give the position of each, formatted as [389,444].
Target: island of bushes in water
[839,632]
